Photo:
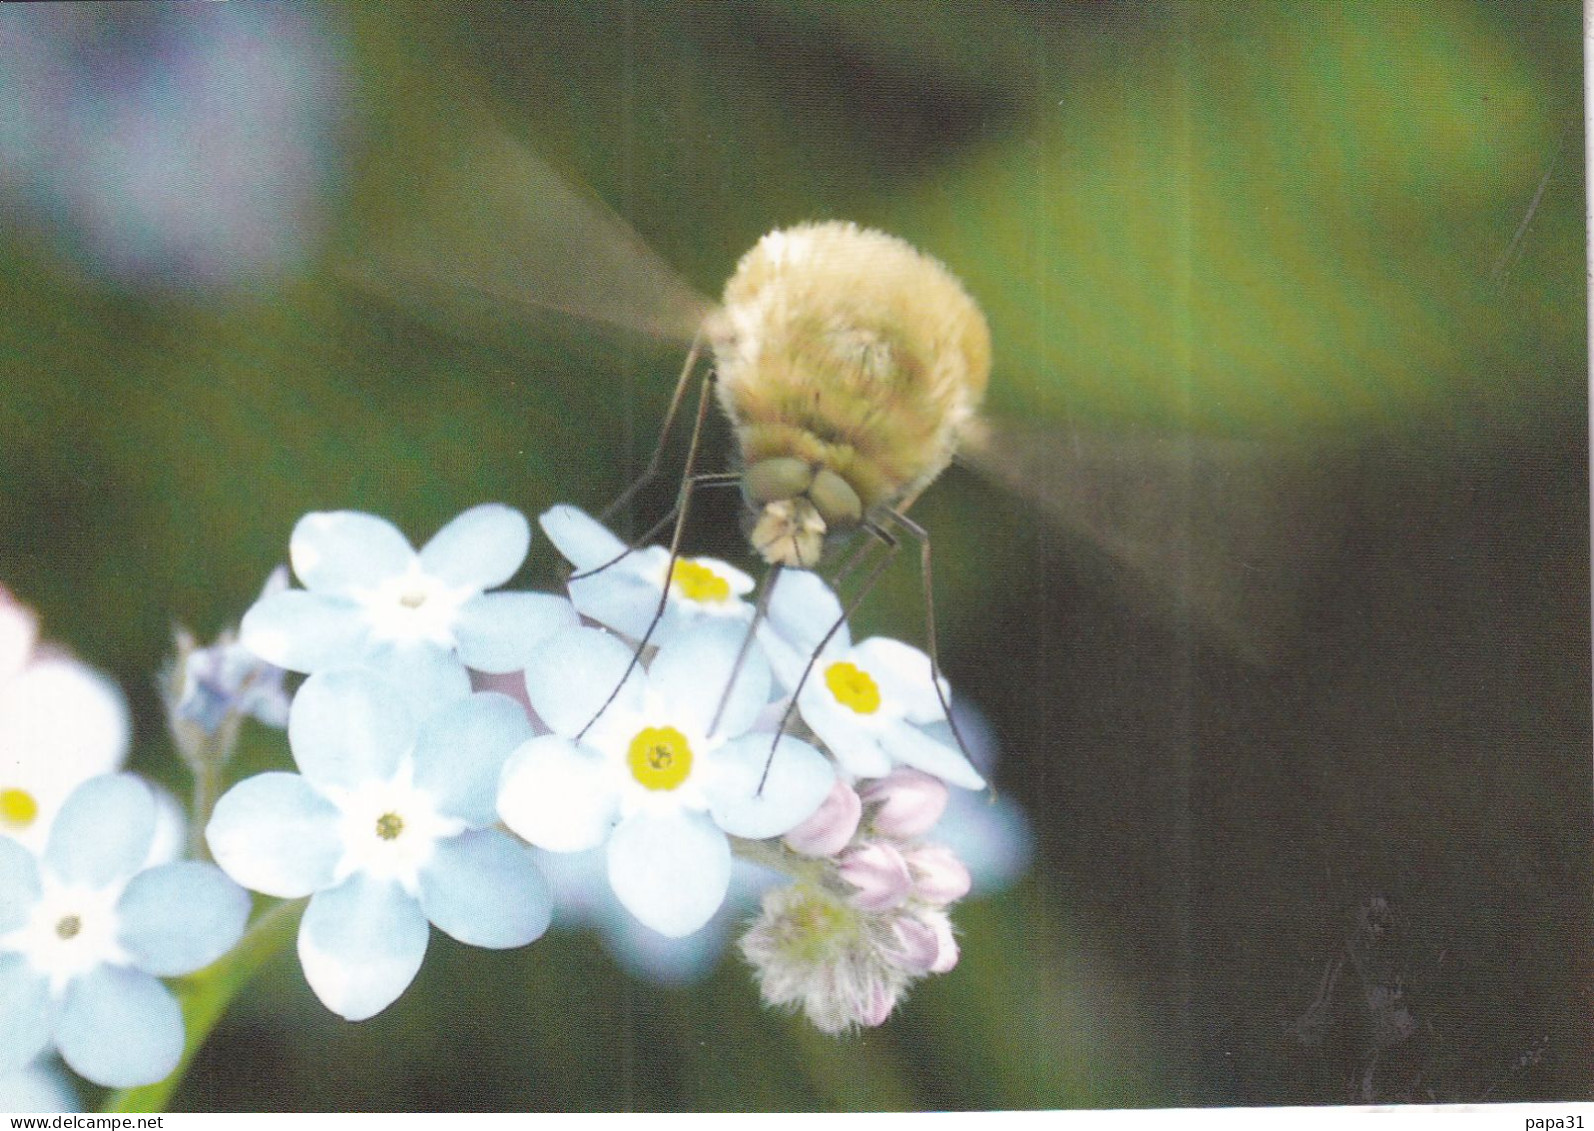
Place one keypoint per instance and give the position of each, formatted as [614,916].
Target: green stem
[205,996]
[206,777]
[775,855]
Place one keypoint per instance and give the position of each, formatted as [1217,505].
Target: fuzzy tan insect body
[842,353]
[844,357]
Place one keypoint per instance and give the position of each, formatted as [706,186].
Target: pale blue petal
[617,598]
[584,542]
[854,745]
[671,870]
[24,1012]
[579,882]
[484,889]
[361,945]
[40,1089]
[691,674]
[63,722]
[275,834]
[103,831]
[461,752]
[179,917]
[574,673]
[480,549]
[991,836]
[645,954]
[119,1027]
[798,779]
[19,884]
[905,743]
[305,632]
[428,675]
[348,726]
[802,609]
[558,795]
[976,733]
[902,673]
[500,632]
[334,551]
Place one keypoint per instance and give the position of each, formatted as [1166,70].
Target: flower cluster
[652,740]
[866,914]
[94,906]
[389,824]
[845,941]
[652,733]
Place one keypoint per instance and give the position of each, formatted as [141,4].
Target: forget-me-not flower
[650,773]
[86,930]
[371,599]
[61,723]
[621,589]
[209,686]
[869,703]
[387,826]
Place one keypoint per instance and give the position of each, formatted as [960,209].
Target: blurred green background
[1302,280]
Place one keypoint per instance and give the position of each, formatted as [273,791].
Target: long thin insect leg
[683,506]
[760,611]
[916,531]
[707,479]
[651,471]
[851,607]
[852,562]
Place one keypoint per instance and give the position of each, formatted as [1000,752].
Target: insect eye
[836,502]
[771,480]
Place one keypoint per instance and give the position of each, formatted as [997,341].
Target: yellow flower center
[389,826]
[697,582]
[853,687]
[18,809]
[660,757]
[413,599]
[68,927]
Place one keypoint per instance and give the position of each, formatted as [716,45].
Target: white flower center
[414,606]
[390,829]
[72,930]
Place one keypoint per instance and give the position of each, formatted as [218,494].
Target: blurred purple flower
[184,145]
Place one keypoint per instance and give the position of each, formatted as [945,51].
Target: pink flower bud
[915,945]
[879,873]
[947,956]
[938,875]
[832,825]
[909,802]
[877,1006]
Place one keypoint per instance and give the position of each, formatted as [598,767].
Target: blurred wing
[499,232]
[1225,532]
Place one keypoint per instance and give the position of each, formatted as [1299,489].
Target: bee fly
[850,367]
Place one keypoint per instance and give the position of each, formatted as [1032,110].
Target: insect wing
[500,232]
[1224,533]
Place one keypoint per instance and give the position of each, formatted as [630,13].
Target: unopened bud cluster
[845,942]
